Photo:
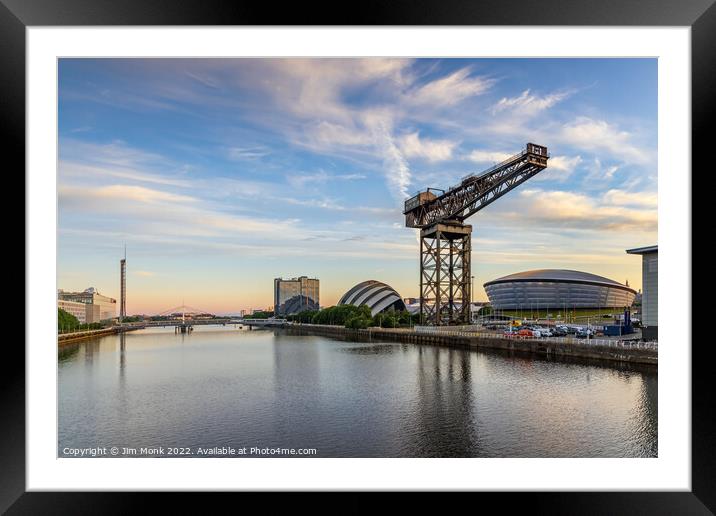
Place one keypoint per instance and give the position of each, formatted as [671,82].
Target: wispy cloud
[122,193]
[599,135]
[559,169]
[413,146]
[246,153]
[320,178]
[450,90]
[144,274]
[396,168]
[624,198]
[529,104]
[250,161]
[486,156]
[575,210]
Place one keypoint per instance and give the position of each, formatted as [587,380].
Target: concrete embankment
[65,338]
[557,348]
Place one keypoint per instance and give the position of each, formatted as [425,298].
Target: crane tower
[445,244]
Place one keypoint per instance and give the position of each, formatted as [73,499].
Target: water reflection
[229,387]
[443,422]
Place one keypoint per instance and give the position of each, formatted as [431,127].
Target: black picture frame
[700,15]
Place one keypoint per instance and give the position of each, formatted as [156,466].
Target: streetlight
[472,290]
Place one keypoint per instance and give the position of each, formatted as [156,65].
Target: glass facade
[295,295]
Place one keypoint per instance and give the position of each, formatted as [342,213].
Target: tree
[358,322]
[66,321]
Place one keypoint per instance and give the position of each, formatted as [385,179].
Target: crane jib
[476,190]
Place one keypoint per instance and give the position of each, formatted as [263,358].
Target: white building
[650,290]
[98,307]
[75,308]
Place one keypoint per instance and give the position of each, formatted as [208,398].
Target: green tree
[358,322]
[66,321]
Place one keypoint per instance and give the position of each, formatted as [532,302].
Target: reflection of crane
[445,238]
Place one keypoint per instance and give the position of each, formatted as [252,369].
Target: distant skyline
[222,174]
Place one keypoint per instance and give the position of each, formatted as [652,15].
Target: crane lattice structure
[445,239]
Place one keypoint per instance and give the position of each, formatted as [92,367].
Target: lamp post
[472,290]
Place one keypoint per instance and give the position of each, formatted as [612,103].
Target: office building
[101,307]
[295,295]
[79,310]
[649,290]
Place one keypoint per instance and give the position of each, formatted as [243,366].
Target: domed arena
[376,295]
[557,288]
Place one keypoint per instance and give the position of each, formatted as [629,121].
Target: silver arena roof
[555,288]
[374,294]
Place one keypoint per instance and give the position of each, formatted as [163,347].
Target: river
[219,388]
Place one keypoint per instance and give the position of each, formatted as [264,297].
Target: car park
[584,333]
[544,332]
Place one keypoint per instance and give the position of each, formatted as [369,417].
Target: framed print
[418,252]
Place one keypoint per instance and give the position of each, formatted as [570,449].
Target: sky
[221,174]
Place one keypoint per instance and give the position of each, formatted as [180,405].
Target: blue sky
[221,174]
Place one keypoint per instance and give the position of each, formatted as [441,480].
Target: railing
[456,331]
[443,329]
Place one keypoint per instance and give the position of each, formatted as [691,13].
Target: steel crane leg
[445,274]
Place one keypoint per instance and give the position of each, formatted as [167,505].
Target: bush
[339,315]
[358,322]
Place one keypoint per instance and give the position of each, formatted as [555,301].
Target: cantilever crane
[445,239]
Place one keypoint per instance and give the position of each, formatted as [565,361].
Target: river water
[221,388]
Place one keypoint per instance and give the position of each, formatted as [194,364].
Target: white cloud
[166,213]
[396,168]
[624,198]
[122,193]
[598,135]
[145,274]
[559,169]
[564,163]
[450,90]
[601,173]
[329,134]
[574,210]
[321,177]
[433,150]
[69,169]
[484,156]
[528,104]
[246,153]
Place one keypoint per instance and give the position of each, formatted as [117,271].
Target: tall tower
[123,286]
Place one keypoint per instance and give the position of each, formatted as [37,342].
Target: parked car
[544,332]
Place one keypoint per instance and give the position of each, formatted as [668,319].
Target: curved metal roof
[374,294]
[559,276]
